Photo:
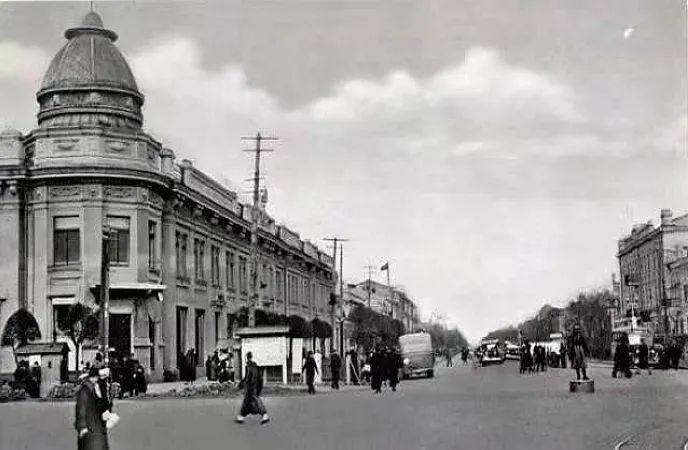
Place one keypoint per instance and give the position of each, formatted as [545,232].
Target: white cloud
[23,63]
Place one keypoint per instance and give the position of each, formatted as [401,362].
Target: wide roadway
[461,408]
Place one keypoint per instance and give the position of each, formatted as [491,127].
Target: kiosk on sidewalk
[270,348]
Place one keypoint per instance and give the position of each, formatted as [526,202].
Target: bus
[417,355]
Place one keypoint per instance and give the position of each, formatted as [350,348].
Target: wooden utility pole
[335,240]
[255,218]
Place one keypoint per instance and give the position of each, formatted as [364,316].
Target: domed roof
[89,58]
[89,83]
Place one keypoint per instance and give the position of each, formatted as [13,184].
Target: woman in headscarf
[91,402]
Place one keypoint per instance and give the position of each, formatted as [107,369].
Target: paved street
[491,408]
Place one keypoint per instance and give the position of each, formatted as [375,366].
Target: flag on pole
[384,267]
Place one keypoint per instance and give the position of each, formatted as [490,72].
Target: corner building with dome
[179,268]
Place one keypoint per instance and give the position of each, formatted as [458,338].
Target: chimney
[666,216]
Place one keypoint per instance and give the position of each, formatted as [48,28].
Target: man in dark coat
[253,385]
[643,357]
[335,368]
[578,351]
[91,403]
[376,370]
[310,368]
[622,358]
[35,383]
[394,363]
[562,355]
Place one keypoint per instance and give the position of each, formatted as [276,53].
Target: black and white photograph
[344,224]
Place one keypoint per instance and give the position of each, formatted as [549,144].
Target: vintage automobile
[417,355]
[490,352]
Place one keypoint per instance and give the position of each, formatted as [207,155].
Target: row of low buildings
[653,284]
[179,269]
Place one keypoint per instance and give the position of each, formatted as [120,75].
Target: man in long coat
[310,368]
[253,385]
[91,403]
[394,363]
[578,351]
[376,370]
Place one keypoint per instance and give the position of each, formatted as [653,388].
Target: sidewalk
[160,389]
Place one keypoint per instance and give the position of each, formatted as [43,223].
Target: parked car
[417,354]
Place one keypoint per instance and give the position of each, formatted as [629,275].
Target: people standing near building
[92,404]
[578,352]
[191,365]
[252,383]
[36,377]
[310,368]
[335,368]
[140,384]
[675,353]
[643,358]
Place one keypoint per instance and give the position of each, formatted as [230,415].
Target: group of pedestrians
[385,363]
[28,378]
[186,363]
[219,368]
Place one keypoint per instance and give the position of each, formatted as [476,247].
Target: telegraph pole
[335,240]
[255,217]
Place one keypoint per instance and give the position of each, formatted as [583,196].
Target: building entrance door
[120,334]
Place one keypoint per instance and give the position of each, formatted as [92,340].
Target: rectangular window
[215,266]
[66,242]
[199,259]
[118,248]
[59,316]
[217,328]
[230,269]
[279,288]
[152,245]
[231,318]
[243,280]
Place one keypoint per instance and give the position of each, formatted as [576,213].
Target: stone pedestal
[586,386]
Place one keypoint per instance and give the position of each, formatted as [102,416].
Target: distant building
[180,262]
[647,257]
[394,303]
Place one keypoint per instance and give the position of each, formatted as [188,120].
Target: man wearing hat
[93,411]
[578,352]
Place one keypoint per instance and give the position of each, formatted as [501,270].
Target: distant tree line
[445,338]
[588,309]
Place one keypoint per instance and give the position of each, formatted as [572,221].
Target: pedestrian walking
[93,408]
[376,371]
[643,358]
[562,356]
[394,363]
[335,368]
[310,368]
[622,358]
[448,356]
[578,352]
[252,383]
[36,377]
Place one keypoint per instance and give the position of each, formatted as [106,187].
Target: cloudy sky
[492,151]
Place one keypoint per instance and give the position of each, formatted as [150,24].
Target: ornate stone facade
[179,268]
